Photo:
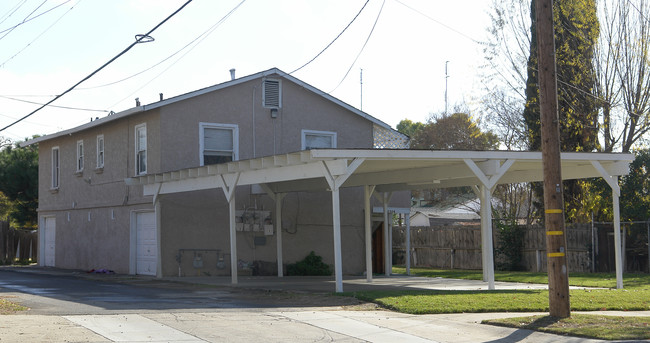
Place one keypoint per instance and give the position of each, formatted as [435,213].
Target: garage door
[146,244]
[49,241]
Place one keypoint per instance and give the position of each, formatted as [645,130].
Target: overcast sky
[403,62]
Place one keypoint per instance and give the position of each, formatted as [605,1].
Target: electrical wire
[205,33]
[12,11]
[363,47]
[9,30]
[36,16]
[209,31]
[39,36]
[332,42]
[439,22]
[142,37]
[64,107]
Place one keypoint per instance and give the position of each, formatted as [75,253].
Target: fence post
[593,246]
[538,259]
[647,223]
[623,243]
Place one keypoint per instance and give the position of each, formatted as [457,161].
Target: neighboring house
[91,219]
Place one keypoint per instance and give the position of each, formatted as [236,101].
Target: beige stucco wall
[199,220]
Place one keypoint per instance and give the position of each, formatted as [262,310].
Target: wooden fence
[459,247]
[17,244]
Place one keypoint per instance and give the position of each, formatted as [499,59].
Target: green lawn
[635,296]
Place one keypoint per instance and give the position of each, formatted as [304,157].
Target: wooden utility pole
[558,274]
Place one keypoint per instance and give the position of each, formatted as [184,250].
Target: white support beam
[367,191]
[387,266]
[278,231]
[486,237]
[228,184]
[616,193]
[408,243]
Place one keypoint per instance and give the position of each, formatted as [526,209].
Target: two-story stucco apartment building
[91,218]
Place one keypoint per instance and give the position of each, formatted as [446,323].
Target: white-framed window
[312,139]
[218,143]
[141,149]
[271,93]
[100,151]
[55,167]
[80,156]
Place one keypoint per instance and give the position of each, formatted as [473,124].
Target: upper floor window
[55,167]
[100,151]
[318,139]
[141,149]
[219,143]
[271,93]
[80,156]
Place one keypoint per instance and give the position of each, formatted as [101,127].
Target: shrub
[311,265]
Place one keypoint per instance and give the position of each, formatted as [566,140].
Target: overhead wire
[363,47]
[138,40]
[34,17]
[205,33]
[209,31]
[12,11]
[39,36]
[27,17]
[64,107]
[332,42]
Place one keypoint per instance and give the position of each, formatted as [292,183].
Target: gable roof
[263,74]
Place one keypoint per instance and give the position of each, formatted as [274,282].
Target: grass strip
[7,307]
[601,280]
[583,325]
[443,301]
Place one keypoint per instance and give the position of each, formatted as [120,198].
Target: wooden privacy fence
[459,247]
[17,244]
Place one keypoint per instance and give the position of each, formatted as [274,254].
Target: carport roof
[388,170]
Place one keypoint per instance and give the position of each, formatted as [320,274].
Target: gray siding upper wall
[259,133]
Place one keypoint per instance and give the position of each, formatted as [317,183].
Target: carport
[381,172]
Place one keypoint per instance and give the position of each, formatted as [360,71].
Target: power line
[39,36]
[138,40]
[332,42]
[438,22]
[64,107]
[205,33]
[12,11]
[24,20]
[209,31]
[363,47]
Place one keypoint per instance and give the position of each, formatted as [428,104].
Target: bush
[509,252]
[311,265]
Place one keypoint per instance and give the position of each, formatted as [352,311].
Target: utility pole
[446,77]
[558,274]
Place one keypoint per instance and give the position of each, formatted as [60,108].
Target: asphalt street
[76,307]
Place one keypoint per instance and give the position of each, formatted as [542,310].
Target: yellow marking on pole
[555,254]
[554,233]
[554,210]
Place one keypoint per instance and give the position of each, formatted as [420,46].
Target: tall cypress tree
[576,32]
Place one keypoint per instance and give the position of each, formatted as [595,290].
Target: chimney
[232,74]
[137,101]
[161,97]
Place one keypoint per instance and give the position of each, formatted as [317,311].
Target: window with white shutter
[218,143]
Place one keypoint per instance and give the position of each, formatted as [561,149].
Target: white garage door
[146,244]
[49,241]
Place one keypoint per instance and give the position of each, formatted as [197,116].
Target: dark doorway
[378,249]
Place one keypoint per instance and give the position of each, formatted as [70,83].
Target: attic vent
[271,93]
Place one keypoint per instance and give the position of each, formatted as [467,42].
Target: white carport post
[335,182]
[408,243]
[228,183]
[495,171]
[387,242]
[616,193]
[367,191]
[277,198]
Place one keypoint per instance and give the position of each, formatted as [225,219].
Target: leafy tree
[409,128]
[454,132]
[19,183]
[635,189]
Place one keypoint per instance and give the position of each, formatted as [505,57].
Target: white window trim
[55,176]
[135,147]
[101,152]
[304,133]
[235,138]
[80,156]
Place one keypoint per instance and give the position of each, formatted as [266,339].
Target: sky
[400,46]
